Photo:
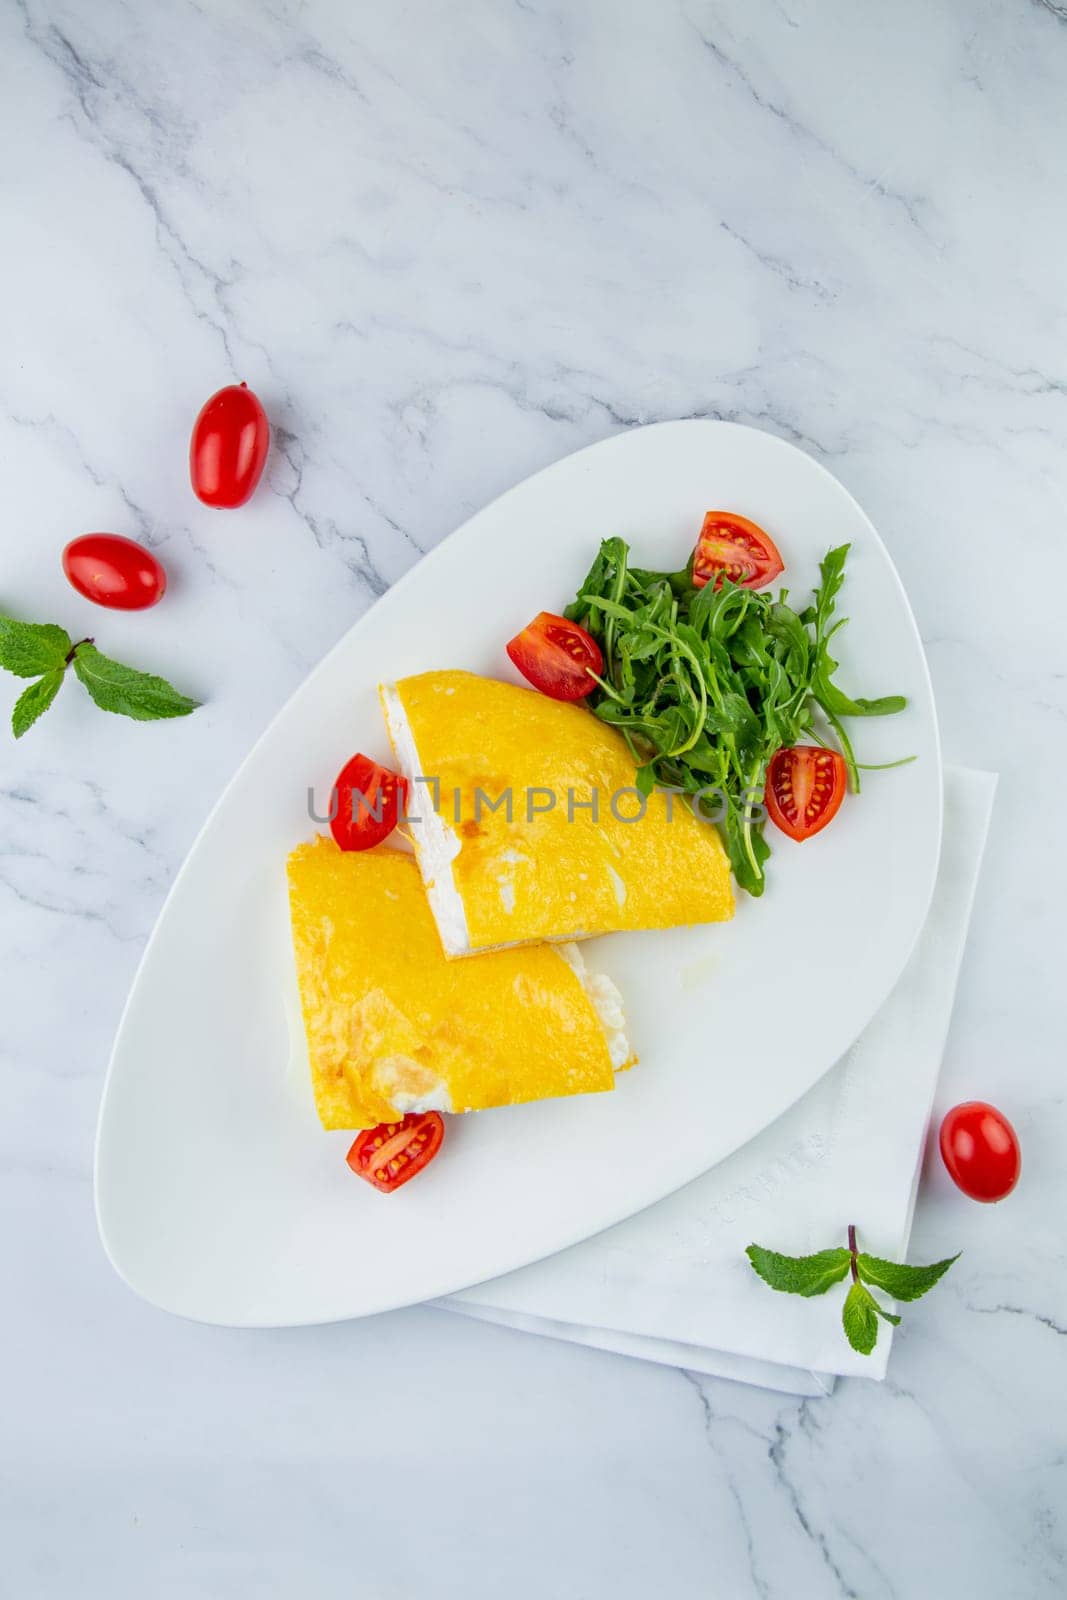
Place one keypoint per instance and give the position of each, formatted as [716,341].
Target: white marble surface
[447,245]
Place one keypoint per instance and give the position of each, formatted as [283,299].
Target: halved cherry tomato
[369,802]
[114,571]
[805,788]
[393,1152]
[228,450]
[980,1148]
[557,656]
[731,546]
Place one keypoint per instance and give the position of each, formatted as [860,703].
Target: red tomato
[114,571]
[228,452]
[557,656]
[393,1152]
[805,788]
[980,1148]
[369,802]
[732,547]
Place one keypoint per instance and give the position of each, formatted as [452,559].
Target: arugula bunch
[706,684]
[42,651]
[811,1275]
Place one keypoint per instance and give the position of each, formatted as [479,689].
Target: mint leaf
[127,692]
[30,648]
[806,1275]
[860,1317]
[903,1283]
[35,700]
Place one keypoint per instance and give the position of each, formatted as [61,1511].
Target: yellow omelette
[537,831]
[393,1027]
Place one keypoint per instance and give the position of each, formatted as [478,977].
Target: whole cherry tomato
[114,571]
[980,1148]
[228,451]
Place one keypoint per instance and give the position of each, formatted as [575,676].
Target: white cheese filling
[389,1075]
[607,1003]
[436,844]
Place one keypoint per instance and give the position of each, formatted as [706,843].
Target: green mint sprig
[42,651]
[811,1275]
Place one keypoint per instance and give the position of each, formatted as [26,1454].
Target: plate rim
[460,533]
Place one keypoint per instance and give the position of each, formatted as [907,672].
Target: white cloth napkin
[673,1284]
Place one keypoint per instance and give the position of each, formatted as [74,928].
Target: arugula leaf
[806,1275]
[748,850]
[607,576]
[706,684]
[30,648]
[784,626]
[902,1282]
[35,700]
[129,693]
[836,702]
[831,578]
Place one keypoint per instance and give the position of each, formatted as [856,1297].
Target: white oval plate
[218,1195]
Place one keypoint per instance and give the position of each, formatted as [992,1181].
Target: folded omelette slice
[527,825]
[394,1027]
